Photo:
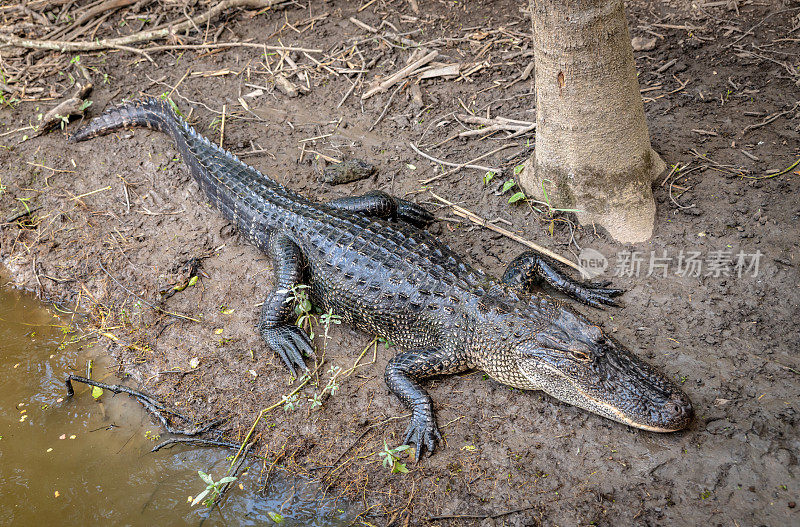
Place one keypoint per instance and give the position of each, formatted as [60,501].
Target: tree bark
[593,149]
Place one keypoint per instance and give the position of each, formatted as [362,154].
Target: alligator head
[575,362]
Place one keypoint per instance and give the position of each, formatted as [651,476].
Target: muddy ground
[115,219]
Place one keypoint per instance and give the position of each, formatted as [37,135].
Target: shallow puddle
[67,460]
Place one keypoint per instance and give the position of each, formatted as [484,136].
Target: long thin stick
[268,409]
[400,75]
[62,45]
[464,165]
[223,45]
[449,164]
[483,222]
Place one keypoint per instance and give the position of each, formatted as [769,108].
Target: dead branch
[769,119]
[122,43]
[483,222]
[448,163]
[75,105]
[496,124]
[400,75]
[153,406]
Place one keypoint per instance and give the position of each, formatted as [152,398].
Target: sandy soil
[116,218]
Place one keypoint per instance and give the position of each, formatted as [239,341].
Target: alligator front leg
[531,268]
[285,338]
[402,375]
[379,204]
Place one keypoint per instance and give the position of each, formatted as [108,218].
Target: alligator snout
[677,412]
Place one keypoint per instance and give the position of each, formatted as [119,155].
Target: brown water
[69,460]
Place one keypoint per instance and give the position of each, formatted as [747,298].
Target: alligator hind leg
[531,268]
[402,375]
[285,338]
[379,204]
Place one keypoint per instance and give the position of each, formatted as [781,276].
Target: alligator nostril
[688,410]
[681,407]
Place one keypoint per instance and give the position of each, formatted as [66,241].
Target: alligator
[369,260]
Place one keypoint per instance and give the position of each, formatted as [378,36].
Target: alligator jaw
[588,369]
[683,412]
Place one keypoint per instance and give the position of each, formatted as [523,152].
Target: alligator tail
[156,114]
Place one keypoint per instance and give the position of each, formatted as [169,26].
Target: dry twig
[449,164]
[483,222]
[400,75]
[496,124]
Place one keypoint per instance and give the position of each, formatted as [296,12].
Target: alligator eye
[580,356]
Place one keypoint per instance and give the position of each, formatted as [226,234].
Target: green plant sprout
[316,400]
[326,319]
[166,97]
[213,488]
[511,183]
[391,458]
[302,307]
[289,402]
[6,101]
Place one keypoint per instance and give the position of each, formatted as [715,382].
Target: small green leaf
[516,197]
[193,280]
[488,177]
[399,468]
[205,477]
[508,184]
[200,497]
[97,392]
[274,516]
[227,479]
[518,169]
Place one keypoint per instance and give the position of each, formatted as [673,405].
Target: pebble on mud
[643,44]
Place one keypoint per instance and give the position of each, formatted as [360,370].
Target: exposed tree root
[155,407]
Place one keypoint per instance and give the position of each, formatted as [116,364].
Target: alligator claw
[414,214]
[422,432]
[591,294]
[290,343]
[602,288]
[594,297]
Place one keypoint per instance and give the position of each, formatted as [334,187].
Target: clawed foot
[290,343]
[591,294]
[594,294]
[422,432]
[414,214]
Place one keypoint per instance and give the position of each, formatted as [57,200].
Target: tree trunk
[593,149]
